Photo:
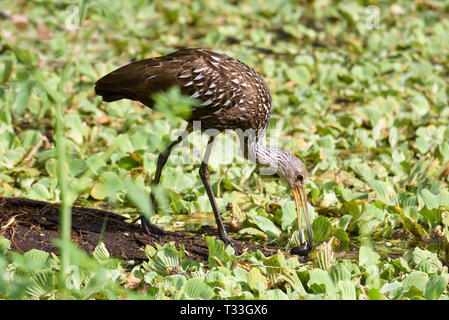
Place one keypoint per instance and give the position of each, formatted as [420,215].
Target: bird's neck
[254,149]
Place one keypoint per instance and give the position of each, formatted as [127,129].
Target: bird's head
[294,172]
[292,169]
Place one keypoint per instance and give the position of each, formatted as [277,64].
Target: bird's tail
[124,83]
[107,95]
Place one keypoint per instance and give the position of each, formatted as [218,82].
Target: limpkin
[232,95]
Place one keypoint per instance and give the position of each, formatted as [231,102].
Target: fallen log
[31,224]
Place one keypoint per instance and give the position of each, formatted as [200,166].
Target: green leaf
[165,260]
[230,186]
[99,191]
[275,294]
[178,181]
[25,57]
[339,272]
[76,166]
[422,145]
[300,75]
[256,280]
[139,197]
[288,214]
[253,232]
[218,255]
[411,225]
[274,266]
[414,284]
[176,281]
[375,294]
[321,229]
[30,138]
[127,163]
[31,261]
[342,237]
[95,162]
[424,260]
[401,265]
[320,282]
[430,200]
[435,287]
[22,98]
[173,104]
[4,245]
[101,253]
[267,226]
[76,128]
[345,220]
[382,189]
[196,289]
[41,284]
[346,290]
[113,184]
[420,105]
[7,70]
[393,136]
[367,256]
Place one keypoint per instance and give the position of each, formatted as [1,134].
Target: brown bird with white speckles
[233,96]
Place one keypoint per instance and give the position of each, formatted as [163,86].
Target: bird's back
[232,94]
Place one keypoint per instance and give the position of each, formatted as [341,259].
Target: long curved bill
[300,201]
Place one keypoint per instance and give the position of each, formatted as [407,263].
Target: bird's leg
[205,177]
[161,161]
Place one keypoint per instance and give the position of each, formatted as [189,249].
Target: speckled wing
[232,94]
[139,80]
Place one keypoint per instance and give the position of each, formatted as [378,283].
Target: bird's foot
[227,240]
[152,229]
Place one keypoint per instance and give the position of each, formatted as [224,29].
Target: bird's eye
[300,177]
